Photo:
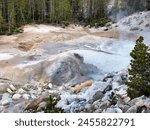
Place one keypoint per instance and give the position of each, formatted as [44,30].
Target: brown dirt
[30,38]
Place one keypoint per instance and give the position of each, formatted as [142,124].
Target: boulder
[135,100]
[16,97]
[132,109]
[9,90]
[97,95]
[68,69]
[12,87]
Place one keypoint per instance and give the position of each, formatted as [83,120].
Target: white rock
[33,96]
[26,96]
[9,90]
[12,87]
[21,91]
[16,97]
[50,85]
[5,102]
[116,86]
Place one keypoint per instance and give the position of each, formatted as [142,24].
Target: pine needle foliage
[139,73]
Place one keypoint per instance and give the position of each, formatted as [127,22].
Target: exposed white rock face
[77,102]
[16,97]
[105,95]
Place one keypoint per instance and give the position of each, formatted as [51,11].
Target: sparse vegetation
[113,98]
[51,106]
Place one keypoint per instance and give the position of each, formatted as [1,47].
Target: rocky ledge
[107,95]
[75,91]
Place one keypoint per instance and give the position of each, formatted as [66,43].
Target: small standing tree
[139,73]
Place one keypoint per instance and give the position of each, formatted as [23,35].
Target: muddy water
[109,58]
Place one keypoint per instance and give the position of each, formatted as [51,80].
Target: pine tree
[139,73]
[2,24]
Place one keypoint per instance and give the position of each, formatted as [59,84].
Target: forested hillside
[14,13]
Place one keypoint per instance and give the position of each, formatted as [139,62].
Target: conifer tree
[139,73]
[2,24]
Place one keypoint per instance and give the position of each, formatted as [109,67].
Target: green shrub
[113,98]
[51,106]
